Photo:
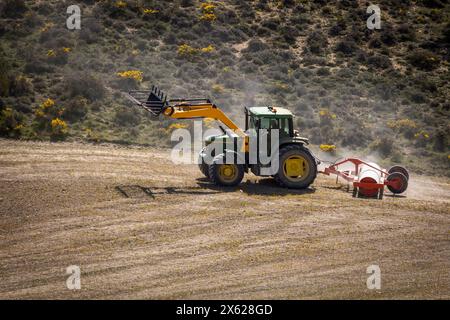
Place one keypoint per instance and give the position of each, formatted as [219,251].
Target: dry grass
[140,227]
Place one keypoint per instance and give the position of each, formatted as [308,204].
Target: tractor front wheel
[204,169]
[297,167]
[202,165]
[223,174]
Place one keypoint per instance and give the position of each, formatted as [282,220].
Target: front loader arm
[195,111]
[156,103]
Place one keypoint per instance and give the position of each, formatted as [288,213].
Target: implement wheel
[223,174]
[399,169]
[298,169]
[398,182]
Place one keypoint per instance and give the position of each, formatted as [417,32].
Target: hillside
[374,93]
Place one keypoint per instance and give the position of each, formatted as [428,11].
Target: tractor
[297,166]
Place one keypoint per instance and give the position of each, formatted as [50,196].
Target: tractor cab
[268,118]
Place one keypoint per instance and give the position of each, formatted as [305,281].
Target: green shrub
[126,117]
[85,85]
[289,34]
[37,65]
[406,32]
[316,42]
[424,59]
[12,8]
[11,123]
[418,97]
[338,28]
[441,140]
[388,36]
[446,33]
[5,68]
[379,61]
[90,31]
[19,86]
[432,3]
[11,84]
[75,109]
[347,47]
[323,71]
[384,146]
[355,135]
[255,45]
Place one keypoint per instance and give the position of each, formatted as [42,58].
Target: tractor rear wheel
[223,174]
[297,167]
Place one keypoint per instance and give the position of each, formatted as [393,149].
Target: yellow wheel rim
[228,172]
[295,168]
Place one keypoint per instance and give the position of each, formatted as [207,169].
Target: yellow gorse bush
[48,109]
[48,103]
[400,124]
[422,134]
[149,11]
[325,113]
[327,147]
[58,128]
[47,26]
[218,88]
[208,49]
[187,51]
[132,74]
[208,17]
[175,126]
[281,86]
[120,4]
[208,11]
[58,124]
[208,7]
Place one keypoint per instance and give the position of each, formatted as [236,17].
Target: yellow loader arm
[156,103]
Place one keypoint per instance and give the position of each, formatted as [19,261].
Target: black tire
[204,169]
[220,179]
[202,165]
[296,182]
[402,182]
[399,169]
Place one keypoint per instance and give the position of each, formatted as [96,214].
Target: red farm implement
[369,179]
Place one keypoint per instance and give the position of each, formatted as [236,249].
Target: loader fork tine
[153,101]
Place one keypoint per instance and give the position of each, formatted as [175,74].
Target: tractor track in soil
[141,227]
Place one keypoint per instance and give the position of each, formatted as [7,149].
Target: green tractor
[297,167]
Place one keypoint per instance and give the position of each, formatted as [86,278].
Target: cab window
[284,127]
[264,123]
